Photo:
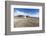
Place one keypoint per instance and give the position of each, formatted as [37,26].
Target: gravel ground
[26,22]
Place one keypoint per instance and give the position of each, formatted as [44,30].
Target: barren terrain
[26,22]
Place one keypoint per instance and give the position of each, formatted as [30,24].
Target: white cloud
[25,14]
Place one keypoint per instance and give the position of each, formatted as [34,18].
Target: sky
[26,12]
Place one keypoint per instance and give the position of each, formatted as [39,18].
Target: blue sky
[26,11]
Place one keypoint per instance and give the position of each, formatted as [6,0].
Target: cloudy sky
[26,12]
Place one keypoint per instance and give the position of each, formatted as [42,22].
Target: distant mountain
[22,16]
[28,16]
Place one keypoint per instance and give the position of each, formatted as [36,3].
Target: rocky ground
[26,22]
